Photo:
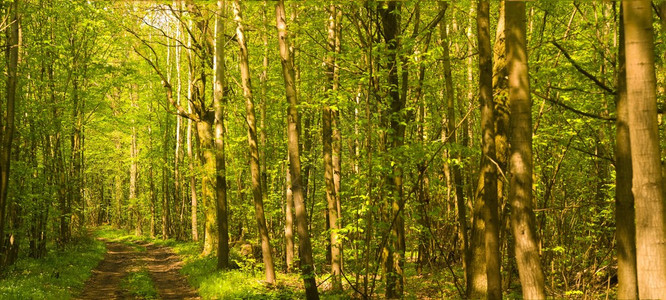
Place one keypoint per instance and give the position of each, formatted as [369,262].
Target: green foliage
[60,275]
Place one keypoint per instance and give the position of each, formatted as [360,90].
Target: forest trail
[123,258]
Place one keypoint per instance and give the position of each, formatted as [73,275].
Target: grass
[59,275]
[247,282]
[139,285]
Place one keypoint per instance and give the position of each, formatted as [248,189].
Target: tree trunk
[625,226]
[254,151]
[289,222]
[390,17]
[190,153]
[263,78]
[151,179]
[647,184]
[205,133]
[488,178]
[327,145]
[520,193]
[307,263]
[165,180]
[12,50]
[220,167]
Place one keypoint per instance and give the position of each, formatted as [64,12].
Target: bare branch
[582,71]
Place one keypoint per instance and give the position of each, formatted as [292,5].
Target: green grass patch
[59,275]
[139,285]
[244,283]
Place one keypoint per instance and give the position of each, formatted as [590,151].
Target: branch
[169,90]
[582,71]
[569,108]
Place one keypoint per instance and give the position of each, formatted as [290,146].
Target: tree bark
[134,166]
[307,263]
[205,133]
[488,178]
[520,193]
[255,169]
[12,50]
[390,17]
[327,145]
[220,164]
[625,232]
[190,153]
[289,222]
[647,186]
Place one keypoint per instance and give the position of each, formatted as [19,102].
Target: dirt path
[120,259]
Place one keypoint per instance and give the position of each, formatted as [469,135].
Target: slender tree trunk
[165,180]
[289,222]
[263,78]
[396,255]
[488,180]
[449,135]
[151,179]
[327,145]
[190,153]
[220,167]
[12,50]
[336,151]
[520,194]
[647,186]
[307,263]
[625,225]
[75,159]
[254,151]
[133,182]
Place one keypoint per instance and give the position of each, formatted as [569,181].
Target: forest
[369,149]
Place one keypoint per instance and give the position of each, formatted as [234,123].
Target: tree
[255,168]
[218,106]
[647,186]
[521,164]
[332,196]
[395,254]
[624,199]
[7,133]
[307,263]
[488,180]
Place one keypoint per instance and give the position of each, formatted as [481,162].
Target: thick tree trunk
[254,151]
[205,133]
[307,263]
[488,178]
[647,186]
[520,193]
[625,232]
[220,164]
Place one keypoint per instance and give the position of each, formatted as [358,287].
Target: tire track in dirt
[121,259]
[104,283]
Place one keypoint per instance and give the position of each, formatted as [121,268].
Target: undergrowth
[59,275]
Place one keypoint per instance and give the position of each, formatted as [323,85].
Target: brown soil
[120,259]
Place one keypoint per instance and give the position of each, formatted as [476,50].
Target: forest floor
[137,270]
